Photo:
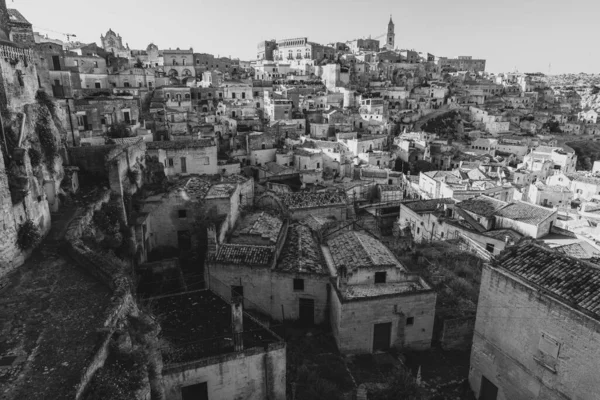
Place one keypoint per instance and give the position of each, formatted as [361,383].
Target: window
[380,277]
[237,291]
[318,165]
[489,247]
[418,230]
[243,95]
[255,94]
[233,95]
[170,162]
[182,213]
[97,85]
[126,84]
[299,285]
[410,321]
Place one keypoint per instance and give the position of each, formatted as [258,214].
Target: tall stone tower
[391,36]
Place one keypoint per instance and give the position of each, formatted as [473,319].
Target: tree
[138,64]
[119,130]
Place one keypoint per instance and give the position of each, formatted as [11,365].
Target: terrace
[197,325]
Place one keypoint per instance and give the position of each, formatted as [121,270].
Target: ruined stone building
[536,332]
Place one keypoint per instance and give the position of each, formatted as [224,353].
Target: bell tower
[391,36]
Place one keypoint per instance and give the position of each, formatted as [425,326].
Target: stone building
[218,351]
[376,303]
[95,115]
[278,268]
[113,43]
[265,50]
[179,64]
[21,31]
[536,332]
[183,157]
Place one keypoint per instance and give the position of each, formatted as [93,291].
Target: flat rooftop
[197,325]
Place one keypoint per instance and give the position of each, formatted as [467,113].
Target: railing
[13,53]
[468,244]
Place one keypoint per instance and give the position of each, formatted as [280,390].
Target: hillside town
[346,220]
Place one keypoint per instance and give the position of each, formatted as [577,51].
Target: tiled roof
[427,205]
[16,16]
[180,144]
[482,205]
[503,233]
[311,199]
[244,254]
[581,250]
[260,224]
[358,249]
[525,212]
[390,188]
[569,279]
[585,178]
[551,188]
[221,191]
[361,291]
[317,223]
[301,252]
[373,173]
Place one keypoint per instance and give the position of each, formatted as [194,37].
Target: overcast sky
[529,35]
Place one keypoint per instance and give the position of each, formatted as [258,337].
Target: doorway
[56,63]
[306,312]
[488,391]
[382,333]
[198,391]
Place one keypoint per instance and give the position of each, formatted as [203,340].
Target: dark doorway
[307,312]
[382,334]
[183,165]
[195,392]
[489,391]
[237,291]
[127,117]
[56,63]
[184,240]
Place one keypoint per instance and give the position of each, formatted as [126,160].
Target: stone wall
[353,321]
[272,291]
[457,333]
[254,374]
[511,317]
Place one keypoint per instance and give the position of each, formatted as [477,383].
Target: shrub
[108,217]
[28,236]
[35,157]
[119,379]
[133,175]
[47,140]
[119,130]
[461,287]
[44,100]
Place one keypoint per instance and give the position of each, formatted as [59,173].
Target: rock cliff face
[30,161]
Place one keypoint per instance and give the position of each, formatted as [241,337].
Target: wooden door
[382,334]
[306,312]
[489,391]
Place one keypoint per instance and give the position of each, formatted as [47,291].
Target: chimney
[237,322]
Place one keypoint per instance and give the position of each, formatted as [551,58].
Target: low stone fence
[110,271]
[457,333]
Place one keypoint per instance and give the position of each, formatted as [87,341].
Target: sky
[548,36]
